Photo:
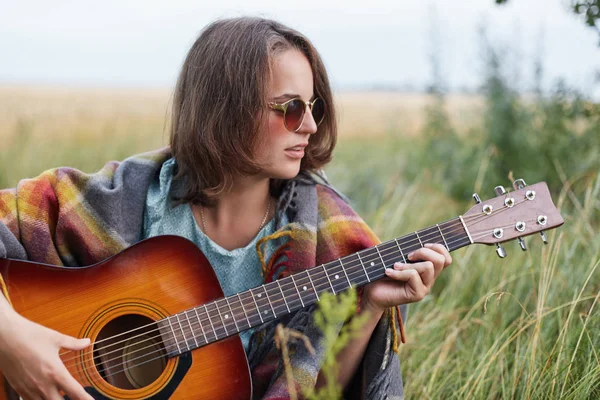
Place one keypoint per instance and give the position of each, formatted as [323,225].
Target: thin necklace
[259,228]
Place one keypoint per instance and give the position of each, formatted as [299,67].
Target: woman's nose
[309,125]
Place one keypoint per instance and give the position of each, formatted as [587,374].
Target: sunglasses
[295,109]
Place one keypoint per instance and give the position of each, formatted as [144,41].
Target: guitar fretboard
[219,319]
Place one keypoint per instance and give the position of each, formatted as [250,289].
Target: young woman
[253,123]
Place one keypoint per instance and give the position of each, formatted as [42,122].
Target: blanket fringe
[268,269]
[397,322]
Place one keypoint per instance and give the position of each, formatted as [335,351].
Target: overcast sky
[143,42]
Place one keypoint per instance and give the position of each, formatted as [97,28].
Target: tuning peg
[476,198]
[500,250]
[519,184]
[544,238]
[522,244]
[499,190]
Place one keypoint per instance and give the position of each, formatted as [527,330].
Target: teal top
[237,269]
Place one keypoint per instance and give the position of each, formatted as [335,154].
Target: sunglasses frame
[284,106]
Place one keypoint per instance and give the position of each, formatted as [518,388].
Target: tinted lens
[294,114]
[318,110]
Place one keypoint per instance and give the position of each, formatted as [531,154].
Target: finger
[72,388]
[417,289]
[425,254]
[71,343]
[442,250]
[424,268]
[402,275]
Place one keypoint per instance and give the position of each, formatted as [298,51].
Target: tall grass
[526,326]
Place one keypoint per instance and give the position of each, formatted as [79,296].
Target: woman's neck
[239,214]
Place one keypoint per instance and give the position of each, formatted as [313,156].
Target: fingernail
[410,255]
[428,245]
[398,266]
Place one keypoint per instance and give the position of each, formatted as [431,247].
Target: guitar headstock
[512,215]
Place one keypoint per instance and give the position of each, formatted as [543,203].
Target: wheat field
[62,112]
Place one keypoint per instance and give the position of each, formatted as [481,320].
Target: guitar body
[147,282]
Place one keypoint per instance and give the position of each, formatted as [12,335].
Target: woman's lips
[296,151]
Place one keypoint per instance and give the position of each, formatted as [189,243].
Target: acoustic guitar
[161,328]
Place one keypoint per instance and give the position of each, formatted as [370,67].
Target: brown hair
[220,103]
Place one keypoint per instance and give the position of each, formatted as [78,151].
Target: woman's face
[281,151]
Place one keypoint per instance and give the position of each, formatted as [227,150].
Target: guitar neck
[219,319]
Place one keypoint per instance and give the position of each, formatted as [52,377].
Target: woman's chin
[286,172]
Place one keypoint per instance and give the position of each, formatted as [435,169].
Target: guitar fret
[387,253]
[354,270]
[337,278]
[283,296]
[296,286]
[421,243]
[443,238]
[343,269]
[257,308]
[200,323]
[313,285]
[211,323]
[191,328]
[174,336]
[232,314]
[182,332]
[399,248]
[324,270]
[307,291]
[244,310]
[222,320]
[294,297]
[269,300]
[363,267]
[381,258]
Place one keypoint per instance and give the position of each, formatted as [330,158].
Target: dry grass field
[59,112]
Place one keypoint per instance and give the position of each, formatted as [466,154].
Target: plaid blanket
[66,217]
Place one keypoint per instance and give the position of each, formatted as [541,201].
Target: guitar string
[172,345]
[321,280]
[148,354]
[455,222]
[223,326]
[161,350]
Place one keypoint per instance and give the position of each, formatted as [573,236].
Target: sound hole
[129,354]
